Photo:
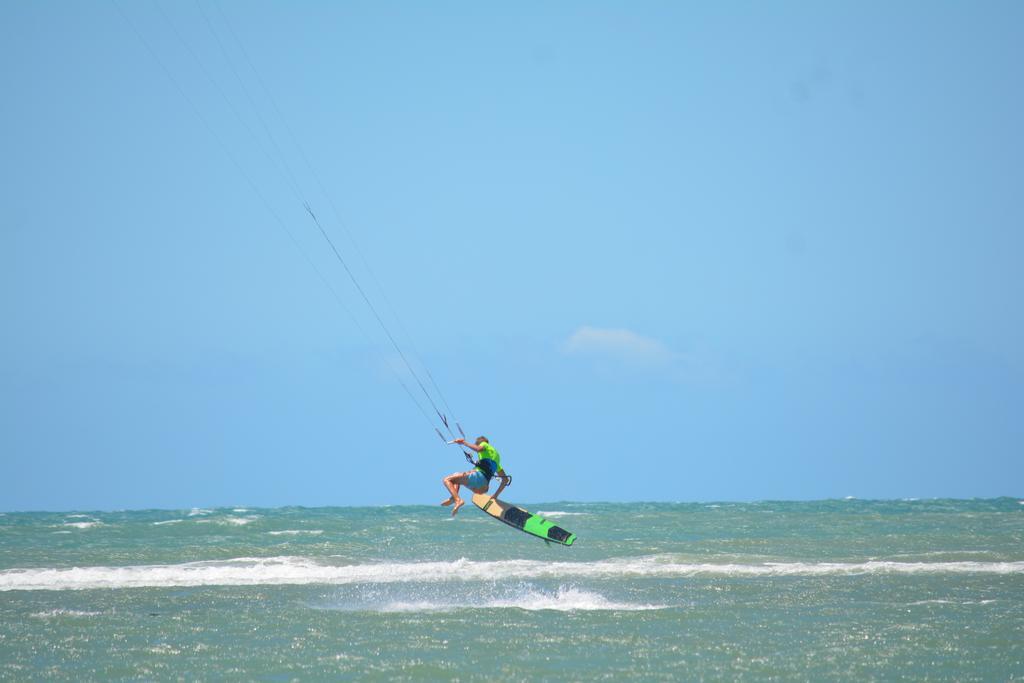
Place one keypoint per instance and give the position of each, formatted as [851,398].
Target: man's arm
[469,445]
[505,479]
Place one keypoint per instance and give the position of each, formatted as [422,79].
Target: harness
[486,466]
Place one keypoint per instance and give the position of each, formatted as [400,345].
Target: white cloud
[619,343]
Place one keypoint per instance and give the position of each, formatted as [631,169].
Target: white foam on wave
[562,600]
[287,570]
[199,512]
[83,525]
[229,520]
[237,521]
[168,521]
[296,532]
[938,601]
[55,613]
[560,513]
[939,553]
[568,600]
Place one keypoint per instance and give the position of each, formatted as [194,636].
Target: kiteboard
[519,518]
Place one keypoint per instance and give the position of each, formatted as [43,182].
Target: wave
[290,570]
[83,525]
[296,532]
[168,521]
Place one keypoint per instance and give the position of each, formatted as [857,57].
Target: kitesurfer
[478,479]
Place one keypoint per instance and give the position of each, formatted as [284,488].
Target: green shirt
[488,452]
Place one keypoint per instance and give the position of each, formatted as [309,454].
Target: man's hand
[460,441]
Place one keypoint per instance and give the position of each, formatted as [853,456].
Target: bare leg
[452,482]
[453,489]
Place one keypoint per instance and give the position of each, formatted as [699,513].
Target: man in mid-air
[478,479]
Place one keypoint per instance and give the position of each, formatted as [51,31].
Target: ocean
[823,590]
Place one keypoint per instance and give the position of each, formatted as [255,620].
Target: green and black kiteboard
[519,518]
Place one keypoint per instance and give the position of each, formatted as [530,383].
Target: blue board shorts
[477,480]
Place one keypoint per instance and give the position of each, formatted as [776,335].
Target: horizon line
[248,508]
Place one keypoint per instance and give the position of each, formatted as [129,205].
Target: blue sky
[655,251]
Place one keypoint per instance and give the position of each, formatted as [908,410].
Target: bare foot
[445,503]
[459,503]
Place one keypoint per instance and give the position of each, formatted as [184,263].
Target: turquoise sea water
[826,590]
